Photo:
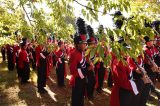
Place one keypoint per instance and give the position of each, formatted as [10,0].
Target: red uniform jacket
[150,52]
[38,51]
[76,58]
[97,66]
[15,51]
[23,57]
[120,73]
[49,64]
[60,54]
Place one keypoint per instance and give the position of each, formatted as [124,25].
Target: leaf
[87,16]
[92,53]
[98,48]
[87,52]
[101,52]
[95,60]
[105,62]
[83,12]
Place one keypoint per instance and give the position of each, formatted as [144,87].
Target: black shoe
[150,98]
[91,97]
[61,85]
[27,82]
[24,82]
[99,90]
[157,93]
[42,91]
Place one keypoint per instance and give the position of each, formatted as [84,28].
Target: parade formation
[132,80]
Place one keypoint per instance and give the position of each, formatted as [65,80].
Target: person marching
[155,25]
[143,84]
[34,57]
[60,64]
[125,87]
[149,64]
[38,50]
[78,65]
[3,51]
[16,57]
[90,70]
[42,70]
[10,57]
[124,90]
[100,70]
[23,63]
[30,52]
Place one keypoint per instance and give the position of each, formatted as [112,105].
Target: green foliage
[6,40]
[59,18]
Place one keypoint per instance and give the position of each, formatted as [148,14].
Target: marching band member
[90,70]
[60,65]
[78,66]
[42,70]
[23,63]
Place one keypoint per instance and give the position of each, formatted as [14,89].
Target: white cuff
[59,59]
[42,56]
[80,73]
[134,87]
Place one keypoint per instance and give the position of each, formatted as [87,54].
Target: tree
[133,29]
[31,20]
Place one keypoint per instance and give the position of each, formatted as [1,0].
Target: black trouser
[3,55]
[41,77]
[150,73]
[110,81]
[10,63]
[20,73]
[60,73]
[127,98]
[78,92]
[33,63]
[91,83]
[25,73]
[34,60]
[101,74]
[17,67]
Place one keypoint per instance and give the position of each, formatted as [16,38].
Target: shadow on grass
[28,94]
[5,98]
[8,78]
[61,94]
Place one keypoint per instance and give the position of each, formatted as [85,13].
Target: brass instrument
[154,68]
[143,72]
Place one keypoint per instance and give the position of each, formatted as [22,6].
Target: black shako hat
[119,22]
[91,35]
[80,35]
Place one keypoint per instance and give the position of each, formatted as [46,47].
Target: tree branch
[88,7]
[27,16]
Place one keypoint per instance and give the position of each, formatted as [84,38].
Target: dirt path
[14,94]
